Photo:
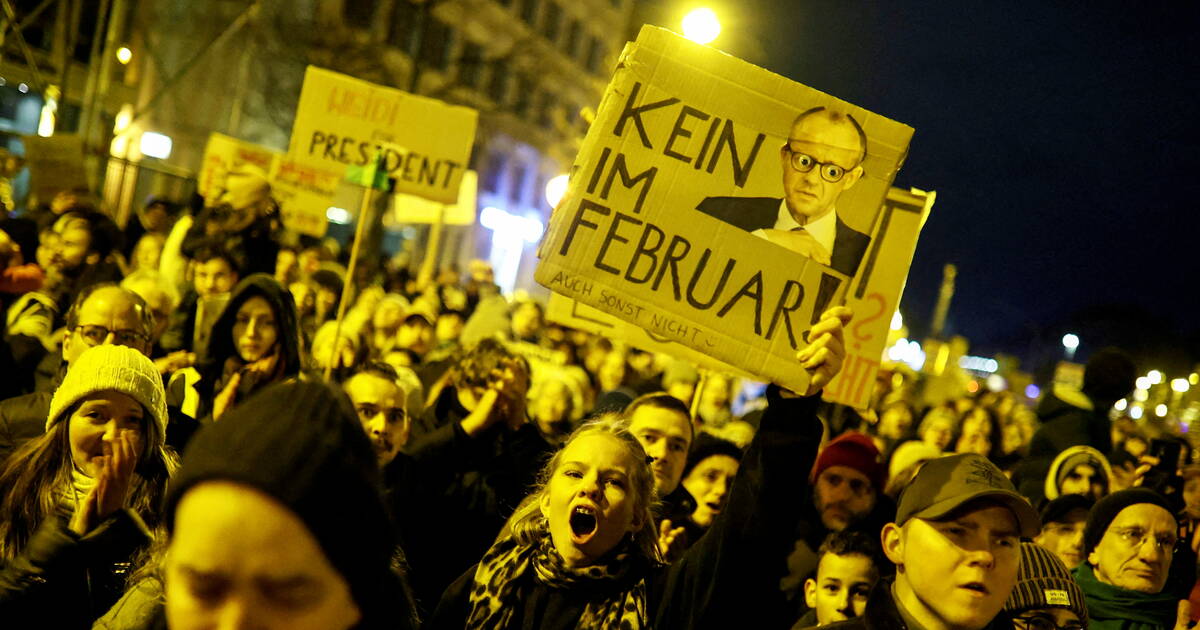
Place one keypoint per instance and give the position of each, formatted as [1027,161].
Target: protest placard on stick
[342,121]
[720,205]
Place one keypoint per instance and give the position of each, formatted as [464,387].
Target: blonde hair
[525,524]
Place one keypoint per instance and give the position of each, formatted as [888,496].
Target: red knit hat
[853,450]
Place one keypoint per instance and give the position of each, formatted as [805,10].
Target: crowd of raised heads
[205,423]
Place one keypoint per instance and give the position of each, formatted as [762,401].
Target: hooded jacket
[1068,419]
[1052,487]
[221,344]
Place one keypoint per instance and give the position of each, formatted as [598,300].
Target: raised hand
[826,351]
[670,540]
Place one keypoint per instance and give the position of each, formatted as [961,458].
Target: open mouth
[583,524]
[976,587]
[713,506]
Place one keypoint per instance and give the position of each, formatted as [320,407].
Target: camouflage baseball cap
[947,483]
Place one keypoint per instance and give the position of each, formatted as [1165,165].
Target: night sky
[1062,139]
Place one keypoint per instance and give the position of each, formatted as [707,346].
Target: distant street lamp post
[1070,342]
[701,25]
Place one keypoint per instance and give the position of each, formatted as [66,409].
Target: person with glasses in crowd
[101,314]
[1130,544]
[822,158]
[1045,597]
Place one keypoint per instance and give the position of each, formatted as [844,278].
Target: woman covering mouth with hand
[78,503]
[581,551]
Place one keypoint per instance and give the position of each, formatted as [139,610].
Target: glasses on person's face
[1044,621]
[803,162]
[96,335]
[1136,537]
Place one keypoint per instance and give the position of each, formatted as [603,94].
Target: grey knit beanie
[111,368]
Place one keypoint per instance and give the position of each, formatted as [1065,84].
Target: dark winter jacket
[728,577]
[1068,419]
[22,419]
[63,580]
[881,614]
[452,493]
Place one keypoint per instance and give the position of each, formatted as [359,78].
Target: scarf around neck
[504,575]
[1105,602]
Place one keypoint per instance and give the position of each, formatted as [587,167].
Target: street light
[1180,385]
[1070,341]
[555,189]
[701,25]
[124,55]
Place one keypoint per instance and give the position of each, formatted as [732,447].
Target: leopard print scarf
[496,591]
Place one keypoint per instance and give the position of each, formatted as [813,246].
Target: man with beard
[379,403]
[847,495]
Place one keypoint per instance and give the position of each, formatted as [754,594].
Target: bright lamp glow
[1142,383]
[1180,385]
[156,145]
[979,364]
[996,383]
[555,189]
[338,215]
[1141,395]
[510,226]
[1121,405]
[701,25]
[1160,411]
[1155,377]
[1136,413]
[124,55]
[1032,391]
[1070,341]
[897,321]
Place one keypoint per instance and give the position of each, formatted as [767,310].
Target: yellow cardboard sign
[303,192]
[223,155]
[413,209]
[873,301]
[342,121]
[679,214]
[876,292]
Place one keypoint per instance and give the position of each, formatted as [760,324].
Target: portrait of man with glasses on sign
[823,157]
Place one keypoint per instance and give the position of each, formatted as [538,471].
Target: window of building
[546,111]
[403,28]
[491,182]
[523,99]
[595,56]
[552,21]
[498,84]
[529,11]
[359,13]
[571,41]
[436,44]
[470,65]
[516,187]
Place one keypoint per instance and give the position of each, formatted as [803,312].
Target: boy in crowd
[956,546]
[847,570]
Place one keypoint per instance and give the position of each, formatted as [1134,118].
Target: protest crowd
[191,437]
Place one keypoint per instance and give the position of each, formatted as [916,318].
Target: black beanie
[707,445]
[301,443]
[1109,507]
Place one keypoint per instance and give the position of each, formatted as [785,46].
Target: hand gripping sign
[720,205]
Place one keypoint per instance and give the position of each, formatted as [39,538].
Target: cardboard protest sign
[343,121]
[55,164]
[304,194]
[563,310]
[413,209]
[223,154]
[873,300]
[876,292]
[680,212]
